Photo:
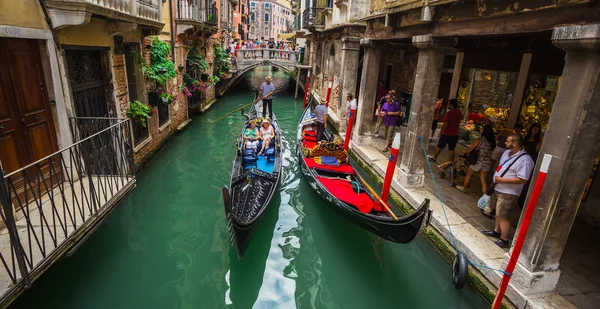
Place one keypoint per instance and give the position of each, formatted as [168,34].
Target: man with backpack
[391,112]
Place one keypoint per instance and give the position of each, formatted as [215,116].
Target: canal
[166,245]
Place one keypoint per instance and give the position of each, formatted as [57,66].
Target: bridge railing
[248,56]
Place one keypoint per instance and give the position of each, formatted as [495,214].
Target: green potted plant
[140,112]
[213,79]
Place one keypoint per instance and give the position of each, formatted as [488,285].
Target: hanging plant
[165,96]
[213,79]
[222,60]
[195,59]
[161,69]
[141,111]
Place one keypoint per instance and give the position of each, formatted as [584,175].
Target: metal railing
[213,16]
[313,17]
[45,204]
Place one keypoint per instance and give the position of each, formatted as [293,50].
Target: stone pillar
[573,139]
[427,81]
[460,56]
[515,108]
[368,91]
[349,72]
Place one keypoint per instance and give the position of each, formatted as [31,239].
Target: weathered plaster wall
[22,13]
[404,62]
[95,33]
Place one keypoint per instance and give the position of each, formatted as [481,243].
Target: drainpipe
[172,30]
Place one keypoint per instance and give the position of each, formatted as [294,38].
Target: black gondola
[344,191]
[254,179]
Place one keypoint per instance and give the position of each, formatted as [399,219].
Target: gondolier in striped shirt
[266,91]
[321,118]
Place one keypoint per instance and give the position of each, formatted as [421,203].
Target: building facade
[527,63]
[270,18]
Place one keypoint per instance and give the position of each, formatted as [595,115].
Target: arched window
[267,31]
[252,16]
[251,29]
[266,16]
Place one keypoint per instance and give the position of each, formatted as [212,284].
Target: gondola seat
[249,159]
[270,153]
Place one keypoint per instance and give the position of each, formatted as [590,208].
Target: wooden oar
[377,196]
[370,190]
[233,111]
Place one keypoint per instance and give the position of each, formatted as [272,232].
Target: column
[573,139]
[460,56]
[427,81]
[368,91]
[515,107]
[350,54]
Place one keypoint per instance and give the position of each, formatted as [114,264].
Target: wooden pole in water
[297,83]
[525,222]
[329,92]
[383,203]
[306,88]
[391,168]
[350,125]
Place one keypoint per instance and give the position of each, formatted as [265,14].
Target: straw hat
[268,78]
[265,121]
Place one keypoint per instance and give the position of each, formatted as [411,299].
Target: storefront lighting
[488,76]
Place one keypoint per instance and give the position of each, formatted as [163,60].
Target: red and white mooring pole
[525,222]
[329,92]
[306,88]
[350,124]
[391,168]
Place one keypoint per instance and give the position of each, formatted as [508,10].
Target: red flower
[153,111]
[150,106]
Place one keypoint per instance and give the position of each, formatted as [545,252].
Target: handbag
[473,156]
[490,189]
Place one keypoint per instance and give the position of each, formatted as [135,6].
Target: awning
[286,35]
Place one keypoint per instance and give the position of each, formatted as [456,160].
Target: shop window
[163,114]
[488,93]
[538,100]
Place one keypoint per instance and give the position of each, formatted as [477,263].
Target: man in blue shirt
[266,91]
[321,115]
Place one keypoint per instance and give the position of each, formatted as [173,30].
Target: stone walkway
[580,279]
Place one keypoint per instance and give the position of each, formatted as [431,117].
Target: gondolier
[266,91]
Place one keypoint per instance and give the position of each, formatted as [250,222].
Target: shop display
[537,104]
[498,116]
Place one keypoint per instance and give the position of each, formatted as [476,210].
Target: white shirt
[266,133]
[520,169]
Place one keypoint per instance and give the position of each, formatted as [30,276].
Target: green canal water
[167,246]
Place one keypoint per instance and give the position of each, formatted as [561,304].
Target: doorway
[27,131]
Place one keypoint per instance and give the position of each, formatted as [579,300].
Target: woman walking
[483,146]
[533,141]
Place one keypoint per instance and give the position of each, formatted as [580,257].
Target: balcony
[313,19]
[193,14]
[124,14]
[51,206]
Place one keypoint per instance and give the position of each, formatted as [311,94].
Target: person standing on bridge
[266,91]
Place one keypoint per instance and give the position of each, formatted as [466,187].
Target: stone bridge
[248,59]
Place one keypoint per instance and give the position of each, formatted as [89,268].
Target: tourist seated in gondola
[251,136]
[267,133]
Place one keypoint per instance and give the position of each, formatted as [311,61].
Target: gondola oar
[233,111]
[377,196]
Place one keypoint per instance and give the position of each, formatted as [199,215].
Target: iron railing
[313,17]
[45,204]
[213,17]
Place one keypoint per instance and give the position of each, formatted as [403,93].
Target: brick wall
[177,111]
[121,84]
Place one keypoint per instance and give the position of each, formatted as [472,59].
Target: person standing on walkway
[321,115]
[390,111]
[436,118]
[483,146]
[349,99]
[513,172]
[449,133]
[266,91]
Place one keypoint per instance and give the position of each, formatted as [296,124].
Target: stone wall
[404,62]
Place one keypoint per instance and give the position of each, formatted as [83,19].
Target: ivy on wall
[161,68]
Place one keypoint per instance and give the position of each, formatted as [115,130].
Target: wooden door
[28,133]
